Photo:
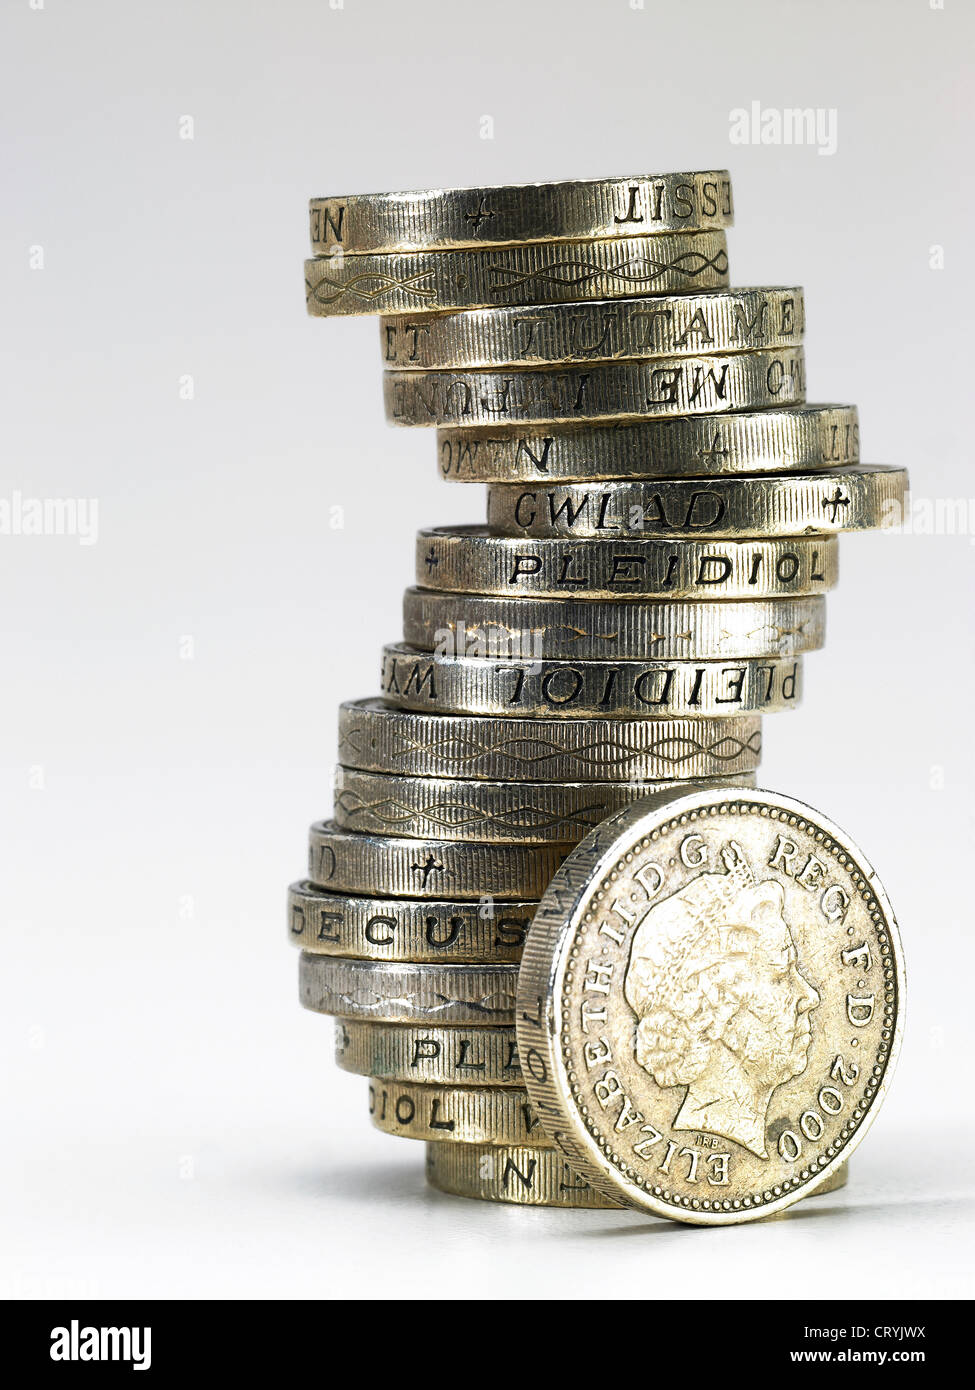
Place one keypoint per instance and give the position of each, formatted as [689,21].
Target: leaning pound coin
[709,1004]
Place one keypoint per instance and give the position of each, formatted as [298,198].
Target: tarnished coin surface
[530,1175]
[439,219]
[409,929]
[709,1004]
[475,1055]
[540,272]
[400,992]
[525,1174]
[613,331]
[860,499]
[395,866]
[455,1114]
[651,389]
[374,736]
[470,560]
[478,810]
[591,689]
[692,446]
[519,628]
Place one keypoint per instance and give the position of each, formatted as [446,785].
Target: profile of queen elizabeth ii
[722,1007]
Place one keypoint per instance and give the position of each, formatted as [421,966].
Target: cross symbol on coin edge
[432,559]
[427,868]
[713,452]
[836,501]
[479,215]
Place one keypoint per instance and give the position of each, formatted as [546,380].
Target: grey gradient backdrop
[173,1121]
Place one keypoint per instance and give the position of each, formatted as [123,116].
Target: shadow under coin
[388,1183]
[809,1209]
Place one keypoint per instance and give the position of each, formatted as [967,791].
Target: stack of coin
[662,516]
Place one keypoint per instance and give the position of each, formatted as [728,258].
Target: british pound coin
[764,441]
[531,273]
[345,861]
[589,689]
[531,1175]
[650,390]
[438,219]
[419,930]
[399,992]
[525,1174]
[860,499]
[455,1114]
[453,808]
[468,559]
[476,1055]
[600,331]
[378,738]
[709,1004]
[565,629]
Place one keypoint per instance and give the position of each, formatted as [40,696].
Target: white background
[173,1121]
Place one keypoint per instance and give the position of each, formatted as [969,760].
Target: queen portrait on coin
[722,1006]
